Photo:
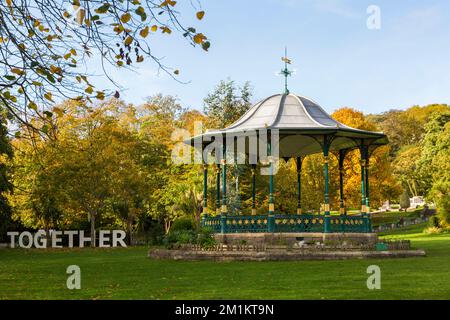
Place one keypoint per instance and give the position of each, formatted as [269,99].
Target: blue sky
[338,60]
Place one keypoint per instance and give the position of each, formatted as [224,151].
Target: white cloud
[337,7]
[421,19]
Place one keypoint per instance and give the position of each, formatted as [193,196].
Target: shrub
[175,238]
[206,239]
[183,223]
[404,200]
[433,230]
[434,222]
[441,196]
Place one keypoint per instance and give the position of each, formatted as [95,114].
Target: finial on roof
[286,72]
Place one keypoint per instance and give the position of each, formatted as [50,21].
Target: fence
[287,223]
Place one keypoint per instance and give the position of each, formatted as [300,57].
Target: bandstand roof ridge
[299,120]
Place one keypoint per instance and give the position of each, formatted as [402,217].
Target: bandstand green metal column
[237,204]
[366,174]
[218,189]
[205,189]
[253,189]
[364,212]
[341,182]
[271,216]
[367,185]
[299,184]
[205,194]
[326,148]
[223,213]
[363,151]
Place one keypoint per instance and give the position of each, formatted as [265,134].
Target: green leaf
[103,8]
[48,96]
[206,45]
[32,106]
[51,78]
[89,90]
[44,128]
[140,11]
[48,114]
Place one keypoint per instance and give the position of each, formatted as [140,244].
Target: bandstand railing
[286,223]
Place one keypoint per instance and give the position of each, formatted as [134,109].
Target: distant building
[416,202]
[386,206]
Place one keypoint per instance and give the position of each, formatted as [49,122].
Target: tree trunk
[92,230]
[166,226]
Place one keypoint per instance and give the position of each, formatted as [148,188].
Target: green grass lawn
[126,273]
[394,216]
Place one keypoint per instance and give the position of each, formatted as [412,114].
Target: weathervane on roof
[286,72]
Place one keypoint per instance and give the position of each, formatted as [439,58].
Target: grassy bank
[126,273]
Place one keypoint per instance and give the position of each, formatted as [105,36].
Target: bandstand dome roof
[301,123]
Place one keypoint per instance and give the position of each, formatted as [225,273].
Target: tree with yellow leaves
[383,184]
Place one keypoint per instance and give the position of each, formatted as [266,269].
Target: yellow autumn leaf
[55,69]
[128,40]
[100,95]
[18,71]
[59,112]
[48,96]
[200,15]
[144,32]
[166,30]
[32,106]
[89,90]
[118,29]
[154,28]
[167,3]
[199,38]
[125,17]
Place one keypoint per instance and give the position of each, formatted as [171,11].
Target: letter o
[30,240]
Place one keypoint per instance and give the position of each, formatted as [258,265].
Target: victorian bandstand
[288,126]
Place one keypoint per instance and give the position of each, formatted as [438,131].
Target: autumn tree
[434,163]
[383,184]
[6,153]
[405,127]
[406,167]
[227,103]
[91,167]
